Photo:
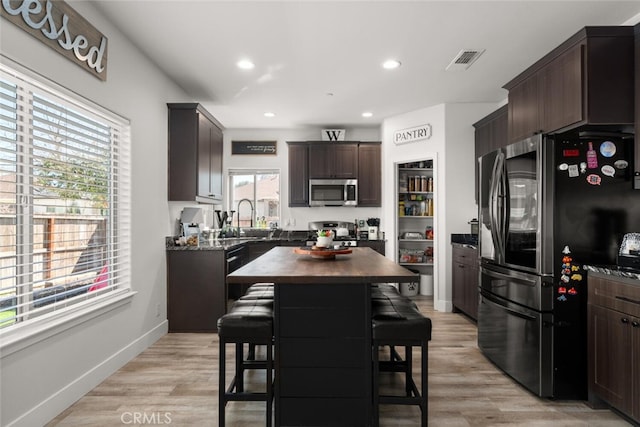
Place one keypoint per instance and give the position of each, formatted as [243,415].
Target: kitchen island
[322,328]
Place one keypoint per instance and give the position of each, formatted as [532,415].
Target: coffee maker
[190,220]
[373,226]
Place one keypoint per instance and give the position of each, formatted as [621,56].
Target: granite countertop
[224,244]
[467,240]
[614,270]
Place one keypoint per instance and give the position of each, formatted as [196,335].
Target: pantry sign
[60,27]
[413,134]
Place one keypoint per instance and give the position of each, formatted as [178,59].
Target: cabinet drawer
[324,412]
[321,322]
[322,382]
[326,295]
[463,255]
[318,352]
[618,294]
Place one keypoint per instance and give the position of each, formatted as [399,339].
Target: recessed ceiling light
[269,114]
[367,114]
[245,64]
[391,64]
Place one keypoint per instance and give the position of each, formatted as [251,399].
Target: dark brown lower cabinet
[196,290]
[376,245]
[614,343]
[464,278]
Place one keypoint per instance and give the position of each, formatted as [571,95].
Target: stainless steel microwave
[333,192]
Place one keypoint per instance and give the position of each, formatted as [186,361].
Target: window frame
[27,332]
[251,171]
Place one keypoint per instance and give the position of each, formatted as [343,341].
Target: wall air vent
[464,59]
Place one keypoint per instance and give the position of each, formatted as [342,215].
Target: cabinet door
[204,156]
[637,120]
[471,290]
[465,280]
[183,154]
[561,85]
[215,173]
[335,160]
[524,116]
[320,161]
[610,356]
[491,133]
[635,368]
[457,284]
[298,175]
[345,161]
[369,175]
[196,295]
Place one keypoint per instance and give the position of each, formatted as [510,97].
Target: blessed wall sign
[416,133]
[60,27]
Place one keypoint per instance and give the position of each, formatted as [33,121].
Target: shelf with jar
[415,192]
[410,256]
[415,216]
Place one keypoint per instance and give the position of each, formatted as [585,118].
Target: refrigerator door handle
[497,215]
[505,274]
[486,298]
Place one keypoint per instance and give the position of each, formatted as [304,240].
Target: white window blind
[64,200]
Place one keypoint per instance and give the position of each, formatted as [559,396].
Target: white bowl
[324,242]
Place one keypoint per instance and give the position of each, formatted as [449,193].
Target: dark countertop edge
[326,280]
[615,271]
[222,245]
[465,239]
[232,243]
[465,245]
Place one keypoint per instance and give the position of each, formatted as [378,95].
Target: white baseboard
[48,409]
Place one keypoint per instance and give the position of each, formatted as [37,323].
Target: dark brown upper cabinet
[298,174]
[333,160]
[636,183]
[586,80]
[369,175]
[491,133]
[195,154]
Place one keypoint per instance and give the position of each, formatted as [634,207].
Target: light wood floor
[175,382]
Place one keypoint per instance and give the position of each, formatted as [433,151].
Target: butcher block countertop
[283,265]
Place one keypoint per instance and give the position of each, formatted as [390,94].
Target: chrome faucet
[252,213]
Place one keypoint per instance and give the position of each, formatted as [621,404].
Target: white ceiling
[304,50]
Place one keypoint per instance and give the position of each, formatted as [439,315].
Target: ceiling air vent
[464,59]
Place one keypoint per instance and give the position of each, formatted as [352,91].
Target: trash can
[409,289]
[426,284]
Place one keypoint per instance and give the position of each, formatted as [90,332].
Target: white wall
[42,380]
[452,147]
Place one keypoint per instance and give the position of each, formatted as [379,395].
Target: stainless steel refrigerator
[547,206]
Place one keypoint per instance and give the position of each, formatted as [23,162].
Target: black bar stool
[248,322]
[396,321]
